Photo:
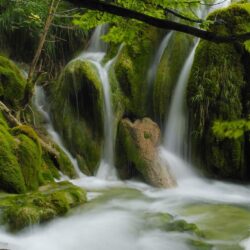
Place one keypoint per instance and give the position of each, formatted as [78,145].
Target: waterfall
[157,59]
[40,103]
[176,127]
[175,142]
[95,54]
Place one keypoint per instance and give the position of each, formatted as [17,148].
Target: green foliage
[127,30]
[22,23]
[231,129]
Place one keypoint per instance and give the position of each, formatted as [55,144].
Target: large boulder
[12,83]
[77,112]
[218,89]
[136,152]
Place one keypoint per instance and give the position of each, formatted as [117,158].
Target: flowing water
[132,215]
[40,103]
[95,54]
[157,59]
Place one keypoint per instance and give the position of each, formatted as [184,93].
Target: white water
[175,132]
[95,54]
[157,59]
[175,143]
[40,103]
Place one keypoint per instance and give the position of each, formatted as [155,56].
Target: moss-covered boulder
[11,178]
[24,163]
[131,70]
[217,89]
[168,72]
[136,152]
[20,211]
[12,83]
[224,225]
[29,155]
[77,112]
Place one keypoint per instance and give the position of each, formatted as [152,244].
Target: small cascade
[175,144]
[96,44]
[95,54]
[40,103]
[157,59]
[176,127]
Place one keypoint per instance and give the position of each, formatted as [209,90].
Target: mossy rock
[131,70]
[136,153]
[215,90]
[11,178]
[168,73]
[12,83]
[20,211]
[225,225]
[77,110]
[22,164]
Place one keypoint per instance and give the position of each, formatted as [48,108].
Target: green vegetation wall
[219,90]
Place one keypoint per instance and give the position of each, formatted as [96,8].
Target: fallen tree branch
[159,23]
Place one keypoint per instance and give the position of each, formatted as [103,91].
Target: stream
[131,215]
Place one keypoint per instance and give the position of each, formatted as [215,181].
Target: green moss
[29,158]
[11,179]
[20,211]
[183,226]
[64,164]
[127,154]
[77,107]
[12,83]
[28,131]
[215,90]
[29,155]
[131,69]
[220,222]
[168,73]
[48,169]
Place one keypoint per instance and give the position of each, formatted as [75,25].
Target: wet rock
[137,154]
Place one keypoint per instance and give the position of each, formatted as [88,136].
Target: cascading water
[175,144]
[95,54]
[175,131]
[157,59]
[40,104]
[133,215]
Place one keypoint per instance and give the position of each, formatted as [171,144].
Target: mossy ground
[20,211]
